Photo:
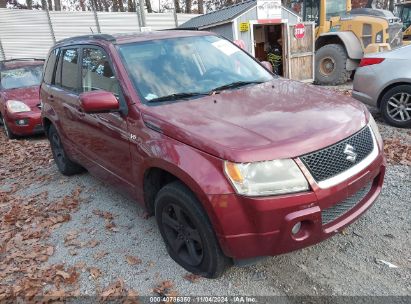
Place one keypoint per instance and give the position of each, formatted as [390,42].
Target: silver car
[383,80]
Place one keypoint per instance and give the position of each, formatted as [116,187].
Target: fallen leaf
[193,278]
[63,274]
[99,255]
[94,272]
[92,243]
[132,260]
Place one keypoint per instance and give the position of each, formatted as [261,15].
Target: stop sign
[299,31]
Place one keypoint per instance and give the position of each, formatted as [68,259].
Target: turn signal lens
[233,172]
[370,61]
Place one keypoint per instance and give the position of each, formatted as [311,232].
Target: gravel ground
[112,233]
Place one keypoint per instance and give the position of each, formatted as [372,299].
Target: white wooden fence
[30,33]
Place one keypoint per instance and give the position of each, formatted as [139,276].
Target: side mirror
[98,102]
[267,65]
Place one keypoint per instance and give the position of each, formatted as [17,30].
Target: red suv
[20,112]
[234,162]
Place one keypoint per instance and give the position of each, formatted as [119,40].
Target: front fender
[200,172]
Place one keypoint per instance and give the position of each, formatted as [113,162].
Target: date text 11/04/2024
[204,299]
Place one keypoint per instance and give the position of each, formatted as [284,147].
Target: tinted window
[57,78]
[49,70]
[69,69]
[21,77]
[96,72]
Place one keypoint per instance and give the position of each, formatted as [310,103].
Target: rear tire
[331,65]
[64,164]
[7,131]
[187,232]
[396,106]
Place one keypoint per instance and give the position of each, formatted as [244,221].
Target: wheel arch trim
[348,40]
[390,85]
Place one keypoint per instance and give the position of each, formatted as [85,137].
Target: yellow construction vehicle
[404,13]
[343,36]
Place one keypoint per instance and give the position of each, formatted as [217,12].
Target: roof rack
[105,37]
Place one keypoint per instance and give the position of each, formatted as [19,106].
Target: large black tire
[331,65]
[64,164]
[187,232]
[7,131]
[394,105]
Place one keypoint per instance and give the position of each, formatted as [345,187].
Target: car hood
[273,120]
[29,95]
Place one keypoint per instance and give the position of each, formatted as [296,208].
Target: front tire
[331,65]
[64,164]
[396,106]
[187,232]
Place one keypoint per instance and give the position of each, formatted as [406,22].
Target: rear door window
[50,67]
[69,69]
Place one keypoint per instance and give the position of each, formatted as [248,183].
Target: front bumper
[32,125]
[255,227]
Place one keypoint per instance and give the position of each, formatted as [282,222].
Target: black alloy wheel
[187,232]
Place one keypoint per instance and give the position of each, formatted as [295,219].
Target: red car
[20,108]
[234,162]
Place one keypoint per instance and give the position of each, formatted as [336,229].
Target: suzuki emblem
[350,152]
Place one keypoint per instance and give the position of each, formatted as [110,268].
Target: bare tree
[50,4]
[121,5]
[29,4]
[82,5]
[44,4]
[148,5]
[201,6]
[177,6]
[3,3]
[106,5]
[392,5]
[131,6]
[188,6]
[115,5]
[57,5]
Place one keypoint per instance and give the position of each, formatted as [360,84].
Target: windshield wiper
[236,84]
[177,96]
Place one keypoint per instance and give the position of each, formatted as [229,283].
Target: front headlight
[15,106]
[266,177]
[374,127]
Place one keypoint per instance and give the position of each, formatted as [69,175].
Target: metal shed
[268,31]
[226,21]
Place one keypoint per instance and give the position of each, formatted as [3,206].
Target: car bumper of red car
[25,123]
[256,226]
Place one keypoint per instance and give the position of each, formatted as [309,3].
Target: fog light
[21,122]
[296,228]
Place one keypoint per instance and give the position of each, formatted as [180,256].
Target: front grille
[395,35]
[333,160]
[331,214]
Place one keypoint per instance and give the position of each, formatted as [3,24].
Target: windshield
[406,17]
[336,8]
[21,77]
[188,67]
